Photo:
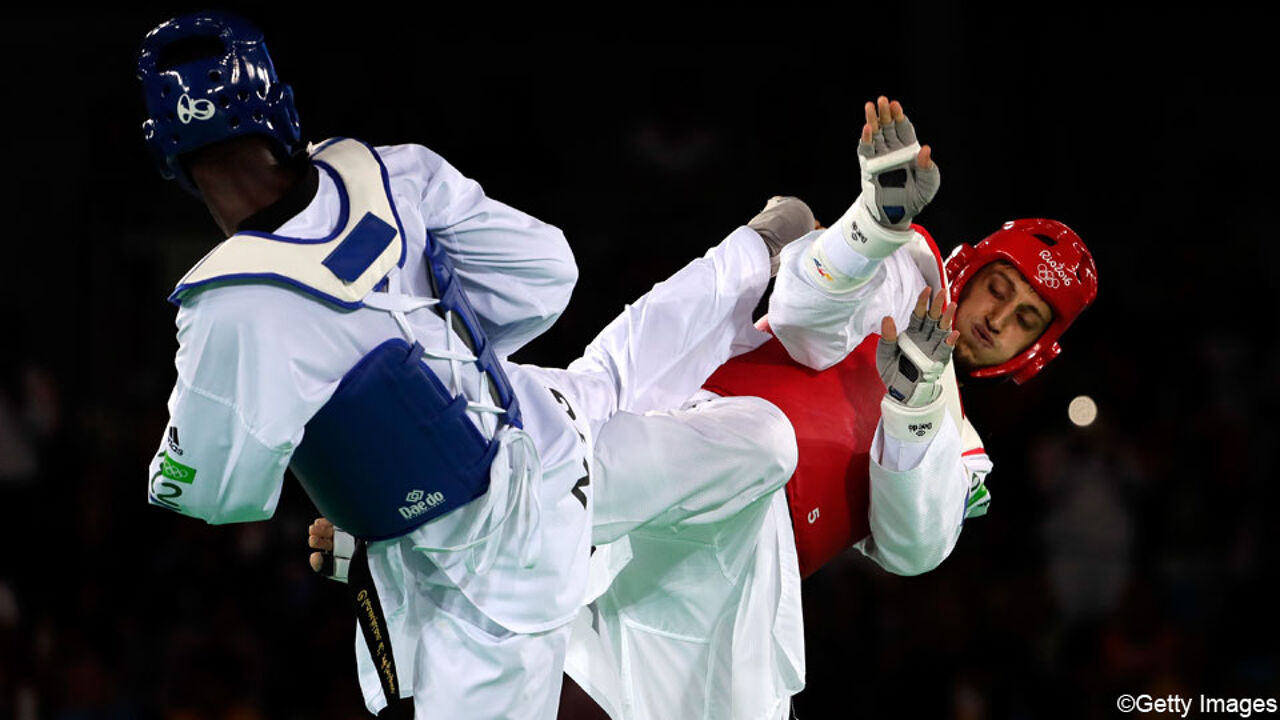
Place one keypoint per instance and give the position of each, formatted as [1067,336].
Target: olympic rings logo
[1047,277]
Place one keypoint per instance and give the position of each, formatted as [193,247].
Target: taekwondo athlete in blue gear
[348,318]
[298,344]
[352,436]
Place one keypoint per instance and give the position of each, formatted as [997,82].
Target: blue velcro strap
[452,297]
[360,248]
[392,448]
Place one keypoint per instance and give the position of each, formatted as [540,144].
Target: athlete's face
[999,315]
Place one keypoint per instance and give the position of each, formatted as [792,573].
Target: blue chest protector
[394,446]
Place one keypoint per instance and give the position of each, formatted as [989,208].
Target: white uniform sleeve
[819,328]
[921,493]
[239,405]
[517,270]
[216,470]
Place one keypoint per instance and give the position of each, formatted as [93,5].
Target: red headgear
[1057,264]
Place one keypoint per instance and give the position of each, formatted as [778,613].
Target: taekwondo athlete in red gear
[705,619]
[359,285]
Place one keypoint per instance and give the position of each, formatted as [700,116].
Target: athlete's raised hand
[899,176]
[911,364]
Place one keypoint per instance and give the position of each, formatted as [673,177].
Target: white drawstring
[517,461]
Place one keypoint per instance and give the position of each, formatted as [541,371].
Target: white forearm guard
[846,256]
[920,424]
[910,424]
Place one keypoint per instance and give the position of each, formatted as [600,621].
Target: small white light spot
[1083,411]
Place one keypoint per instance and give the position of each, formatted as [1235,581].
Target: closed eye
[1030,320]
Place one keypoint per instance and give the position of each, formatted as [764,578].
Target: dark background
[1134,556]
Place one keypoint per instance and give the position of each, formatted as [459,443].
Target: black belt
[373,625]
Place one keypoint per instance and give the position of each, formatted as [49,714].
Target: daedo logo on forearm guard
[419,502]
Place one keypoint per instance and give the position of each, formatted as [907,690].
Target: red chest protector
[834,413]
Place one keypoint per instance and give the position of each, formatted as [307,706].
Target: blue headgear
[207,77]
